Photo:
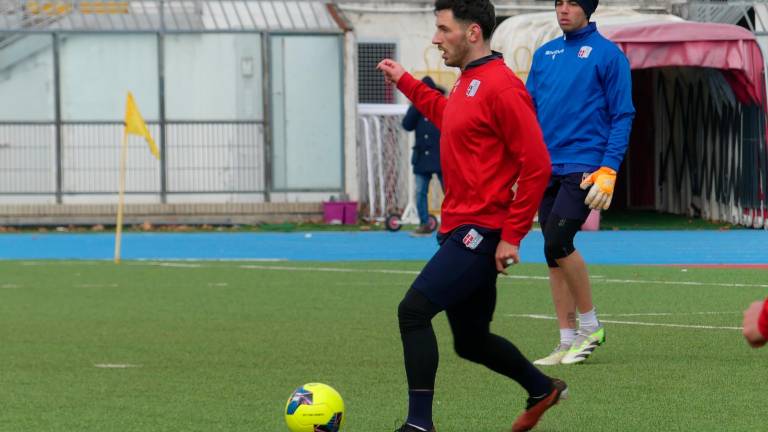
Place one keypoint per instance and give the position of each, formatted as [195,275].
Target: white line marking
[177,265]
[182,262]
[518,277]
[330,269]
[10,286]
[672,325]
[690,283]
[217,284]
[225,260]
[670,314]
[115,366]
[638,323]
[648,282]
[544,278]
[114,285]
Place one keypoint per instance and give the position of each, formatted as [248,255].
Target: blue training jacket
[581,85]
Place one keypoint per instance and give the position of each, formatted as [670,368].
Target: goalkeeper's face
[452,38]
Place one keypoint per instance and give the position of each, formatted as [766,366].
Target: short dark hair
[481,12]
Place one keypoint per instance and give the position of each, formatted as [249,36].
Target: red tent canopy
[730,48]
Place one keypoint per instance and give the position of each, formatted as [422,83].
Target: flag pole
[121,198]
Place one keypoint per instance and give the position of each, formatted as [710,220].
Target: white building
[253,102]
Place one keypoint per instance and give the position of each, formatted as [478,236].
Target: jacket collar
[582,33]
[481,61]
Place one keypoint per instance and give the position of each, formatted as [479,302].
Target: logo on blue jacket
[585,51]
[554,53]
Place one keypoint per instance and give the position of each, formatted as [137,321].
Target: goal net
[385,176]
[383,165]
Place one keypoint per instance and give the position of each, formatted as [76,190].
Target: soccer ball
[314,407]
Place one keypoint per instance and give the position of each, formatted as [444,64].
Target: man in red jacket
[756,323]
[496,167]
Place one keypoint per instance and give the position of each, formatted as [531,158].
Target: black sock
[420,355]
[420,408]
[421,358]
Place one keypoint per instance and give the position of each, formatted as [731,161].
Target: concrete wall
[160,214]
[410,26]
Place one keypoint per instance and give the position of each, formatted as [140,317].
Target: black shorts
[564,198]
[463,271]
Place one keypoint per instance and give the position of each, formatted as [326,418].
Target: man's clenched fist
[393,71]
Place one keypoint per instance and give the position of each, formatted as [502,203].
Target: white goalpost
[385,176]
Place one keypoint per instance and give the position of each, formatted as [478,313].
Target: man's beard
[460,53]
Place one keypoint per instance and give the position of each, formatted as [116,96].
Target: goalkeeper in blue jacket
[582,89]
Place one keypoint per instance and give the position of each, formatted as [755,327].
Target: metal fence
[55,158]
[28,169]
[220,157]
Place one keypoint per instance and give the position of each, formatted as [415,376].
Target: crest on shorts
[472,239]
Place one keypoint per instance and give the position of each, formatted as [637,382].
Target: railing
[200,157]
[27,169]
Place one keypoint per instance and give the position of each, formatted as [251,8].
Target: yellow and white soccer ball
[314,407]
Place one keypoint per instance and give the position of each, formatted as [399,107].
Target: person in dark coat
[425,158]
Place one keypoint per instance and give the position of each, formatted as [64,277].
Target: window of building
[307,112]
[371,85]
[98,70]
[213,77]
[26,78]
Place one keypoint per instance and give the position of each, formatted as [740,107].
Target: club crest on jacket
[473,87]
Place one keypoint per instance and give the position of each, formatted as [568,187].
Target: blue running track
[602,247]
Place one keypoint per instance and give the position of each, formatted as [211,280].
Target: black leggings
[473,341]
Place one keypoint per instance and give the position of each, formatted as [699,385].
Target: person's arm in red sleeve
[762,322]
[428,101]
[755,325]
[516,119]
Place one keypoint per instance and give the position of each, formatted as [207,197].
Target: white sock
[567,335]
[588,320]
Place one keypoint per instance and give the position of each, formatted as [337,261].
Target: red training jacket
[489,140]
[762,322]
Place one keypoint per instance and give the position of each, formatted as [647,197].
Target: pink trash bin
[340,212]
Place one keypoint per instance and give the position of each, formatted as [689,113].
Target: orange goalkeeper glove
[602,182]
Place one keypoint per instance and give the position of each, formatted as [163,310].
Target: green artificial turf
[221,346]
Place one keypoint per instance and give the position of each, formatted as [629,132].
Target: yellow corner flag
[134,124]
